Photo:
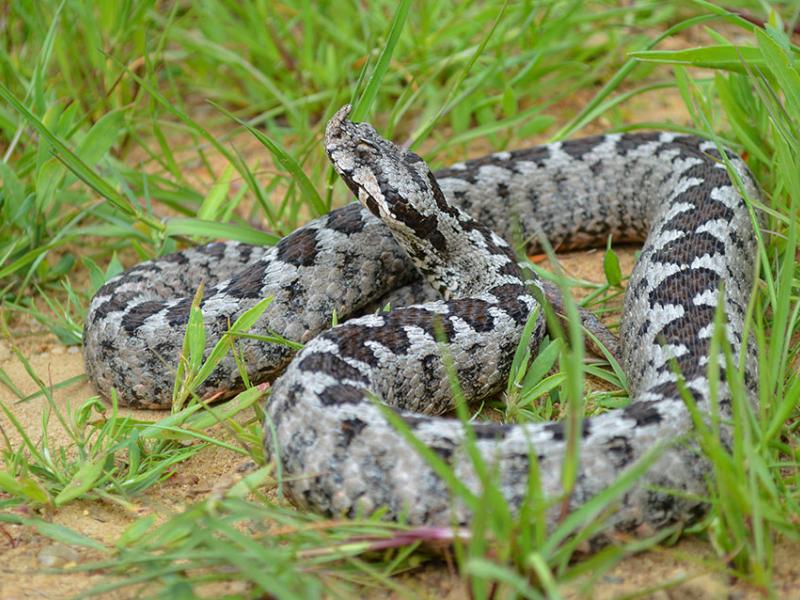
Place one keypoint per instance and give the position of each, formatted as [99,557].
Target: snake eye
[364,143]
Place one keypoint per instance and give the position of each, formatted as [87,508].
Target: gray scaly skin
[338,452]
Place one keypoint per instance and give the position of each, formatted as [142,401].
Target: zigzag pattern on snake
[338,452]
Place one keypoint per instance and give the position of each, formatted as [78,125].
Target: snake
[360,419]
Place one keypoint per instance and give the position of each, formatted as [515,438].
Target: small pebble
[57,555]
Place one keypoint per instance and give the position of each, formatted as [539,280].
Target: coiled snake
[339,453]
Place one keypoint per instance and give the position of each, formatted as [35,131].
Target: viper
[328,415]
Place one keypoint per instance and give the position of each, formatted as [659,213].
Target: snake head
[396,186]
[385,177]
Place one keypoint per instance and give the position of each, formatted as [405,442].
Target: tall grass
[120,134]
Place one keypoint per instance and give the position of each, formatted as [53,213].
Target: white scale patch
[712,263]
[320,345]
[558,159]
[418,336]
[491,176]
[655,277]
[532,436]
[328,239]
[345,160]
[460,326]
[727,195]
[601,152]
[660,316]
[719,228]
[666,137]
[501,317]
[381,352]
[668,236]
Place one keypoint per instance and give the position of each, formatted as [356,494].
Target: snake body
[338,451]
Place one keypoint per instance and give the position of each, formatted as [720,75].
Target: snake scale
[338,452]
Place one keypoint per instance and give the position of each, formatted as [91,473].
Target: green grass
[114,115]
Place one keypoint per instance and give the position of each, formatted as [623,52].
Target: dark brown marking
[137,315]
[351,428]
[330,364]
[178,258]
[179,314]
[424,227]
[684,250]
[249,282]
[694,318]
[441,201]
[643,413]
[508,296]
[577,149]
[372,206]
[558,430]
[475,312]
[215,250]
[491,431]
[299,248]
[620,450]
[688,283]
[630,142]
[689,220]
[341,393]
[346,220]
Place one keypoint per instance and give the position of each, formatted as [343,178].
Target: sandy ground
[689,568]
